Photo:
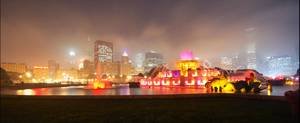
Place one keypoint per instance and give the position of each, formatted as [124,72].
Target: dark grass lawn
[192,110]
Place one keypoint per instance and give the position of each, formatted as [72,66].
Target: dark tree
[4,79]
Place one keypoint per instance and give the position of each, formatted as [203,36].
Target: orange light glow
[150,82]
[176,83]
[40,67]
[156,82]
[199,82]
[195,74]
[165,82]
[190,83]
[97,85]
[185,65]
[143,82]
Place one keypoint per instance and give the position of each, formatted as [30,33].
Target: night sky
[35,31]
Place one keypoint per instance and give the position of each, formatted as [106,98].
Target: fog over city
[35,31]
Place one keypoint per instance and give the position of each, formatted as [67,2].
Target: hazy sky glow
[35,31]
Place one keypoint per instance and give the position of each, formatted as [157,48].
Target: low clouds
[209,28]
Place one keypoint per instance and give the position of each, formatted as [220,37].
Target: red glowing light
[99,84]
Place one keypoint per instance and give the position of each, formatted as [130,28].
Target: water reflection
[125,90]
[25,92]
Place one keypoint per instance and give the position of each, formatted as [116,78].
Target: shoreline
[39,85]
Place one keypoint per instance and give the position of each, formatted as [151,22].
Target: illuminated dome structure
[189,72]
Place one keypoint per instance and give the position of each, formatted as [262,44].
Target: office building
[152,59]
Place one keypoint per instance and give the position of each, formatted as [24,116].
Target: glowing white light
[80,66]
[72,53]
[124,53]
[129,77]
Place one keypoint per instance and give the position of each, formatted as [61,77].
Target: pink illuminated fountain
[186,55]
[189,72]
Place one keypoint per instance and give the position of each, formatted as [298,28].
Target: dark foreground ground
[205,109]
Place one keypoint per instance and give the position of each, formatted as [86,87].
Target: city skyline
[149,61]
[140,26]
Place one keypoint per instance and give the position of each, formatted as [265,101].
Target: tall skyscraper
[126,67]
[152,59]
[251,56]
[103,59]
[103,51]
[251,48]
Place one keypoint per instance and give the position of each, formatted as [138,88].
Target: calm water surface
[125,90]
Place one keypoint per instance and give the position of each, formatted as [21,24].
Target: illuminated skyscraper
[125,65]
[103,58]
[103,51]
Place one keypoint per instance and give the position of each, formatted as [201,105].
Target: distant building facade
[103,58]
[53,68]
[139,62]
[232,62]
[68,74]
[108,68]
[226,63]
[126,67]
[251,56]
[14,67]
[251,48]
[152,59]
[40,73]
[280,65]
[87,71]
[103,51]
